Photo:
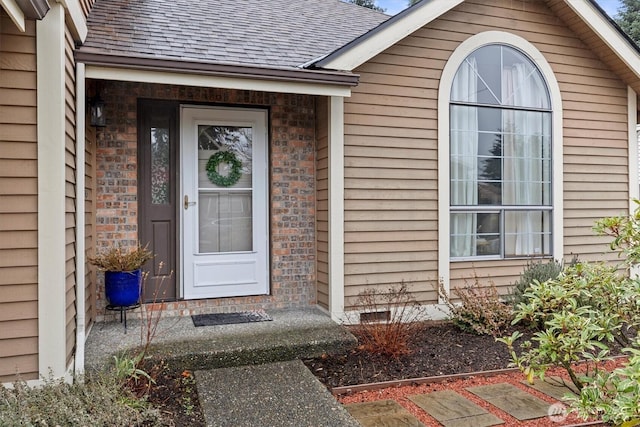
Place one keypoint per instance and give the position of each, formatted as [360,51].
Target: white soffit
[383,37]
[15,13]
[607,33]
[199,80]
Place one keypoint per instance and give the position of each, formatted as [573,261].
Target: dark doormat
[229,318]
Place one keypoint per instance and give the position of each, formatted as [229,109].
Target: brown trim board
[223,70]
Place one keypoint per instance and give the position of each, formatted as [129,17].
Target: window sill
[499,258]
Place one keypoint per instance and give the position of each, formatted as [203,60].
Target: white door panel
[224,222]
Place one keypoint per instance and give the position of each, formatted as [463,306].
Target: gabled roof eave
[153,70]
[365,47]
[163,64]
[385,35]
[20,10]
[610,34]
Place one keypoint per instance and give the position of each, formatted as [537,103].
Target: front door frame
[258,118]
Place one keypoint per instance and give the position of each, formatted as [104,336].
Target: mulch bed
[439,348]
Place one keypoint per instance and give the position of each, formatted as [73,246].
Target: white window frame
[444,97]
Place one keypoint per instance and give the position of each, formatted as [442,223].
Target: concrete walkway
[281,394]
[246,374]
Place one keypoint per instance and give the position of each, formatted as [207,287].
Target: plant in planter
[122,273]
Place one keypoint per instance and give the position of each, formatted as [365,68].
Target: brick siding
[292,188]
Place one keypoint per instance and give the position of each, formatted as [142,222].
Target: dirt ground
[174,393]
[436,349]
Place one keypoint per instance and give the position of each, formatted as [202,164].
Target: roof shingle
[263,33]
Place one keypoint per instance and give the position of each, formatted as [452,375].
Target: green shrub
[579,314]
[614,397]
[98,401]
[480,310]
[536,270]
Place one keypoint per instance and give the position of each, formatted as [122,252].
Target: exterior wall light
[97,113]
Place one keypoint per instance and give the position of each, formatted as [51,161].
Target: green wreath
[224,157]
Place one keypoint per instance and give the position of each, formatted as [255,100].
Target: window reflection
[160,166]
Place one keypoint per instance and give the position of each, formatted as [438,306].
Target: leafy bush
[582,311]
[481,309]
[536,270]
[579,313]
[388,320]
[615,396]
[98,401]
[114,397]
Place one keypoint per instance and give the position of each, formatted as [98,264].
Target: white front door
[224,208]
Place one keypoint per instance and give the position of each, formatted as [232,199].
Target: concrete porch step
[292,334]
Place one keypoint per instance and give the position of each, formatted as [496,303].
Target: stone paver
[382,413]
[555,387]
[511,399]
[454,410]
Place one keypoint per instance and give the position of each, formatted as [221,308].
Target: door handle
[187,203]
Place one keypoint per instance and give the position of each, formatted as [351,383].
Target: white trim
[51,193]
[336,206]
[164,77]
[634,190]
[634,140]
[607,33]
[379,40]
[444,94]
[78,21]
[15,13]
[80,220]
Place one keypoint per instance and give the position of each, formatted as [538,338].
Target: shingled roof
[262,33]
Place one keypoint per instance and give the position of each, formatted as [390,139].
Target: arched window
[500,159]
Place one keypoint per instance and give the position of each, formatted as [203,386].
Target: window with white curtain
[501,171]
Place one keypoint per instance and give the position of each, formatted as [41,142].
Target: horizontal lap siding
[70,196]
[18,203]
[390,176]
[90,226]
[391,148]
[322,200]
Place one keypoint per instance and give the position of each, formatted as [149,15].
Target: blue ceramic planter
[122,288]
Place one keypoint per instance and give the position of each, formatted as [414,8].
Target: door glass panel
[225,208]
[160,166]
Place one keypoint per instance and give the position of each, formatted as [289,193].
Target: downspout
[80,220]
[637,158]
[633,158]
